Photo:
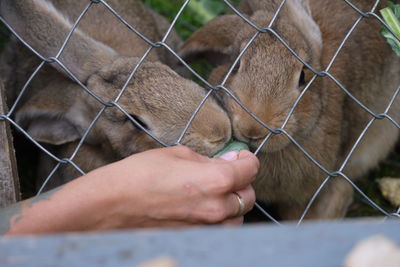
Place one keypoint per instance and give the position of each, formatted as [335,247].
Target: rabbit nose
[223,139]
[252,133]
[220,133]
[251,138]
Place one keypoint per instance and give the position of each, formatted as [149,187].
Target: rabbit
[17,64]
[326,123]
[101,53]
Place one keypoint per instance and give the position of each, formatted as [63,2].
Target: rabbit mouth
[253,142]
[267,144]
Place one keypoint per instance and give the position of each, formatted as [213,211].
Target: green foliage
[206,10]
[391,15]
[195,15]
[395,8]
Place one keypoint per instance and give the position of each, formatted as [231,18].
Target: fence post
[9,183]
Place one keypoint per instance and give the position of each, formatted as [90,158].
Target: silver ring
[241,205]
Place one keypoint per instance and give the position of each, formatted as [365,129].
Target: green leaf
[395,8]
[195,15]
[232,146]
[392,41]
[391,19]
[206,10]
[391,15]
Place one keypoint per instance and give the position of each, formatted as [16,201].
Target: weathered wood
[312,244]
[9,183]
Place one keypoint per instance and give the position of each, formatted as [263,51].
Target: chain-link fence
[213,90]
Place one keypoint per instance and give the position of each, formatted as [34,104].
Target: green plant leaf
[391,15]
[392,41]
[395,8]
[206,10]
[195,15]
[232,146]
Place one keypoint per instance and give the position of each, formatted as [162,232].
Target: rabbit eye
[302,80]
[139,120]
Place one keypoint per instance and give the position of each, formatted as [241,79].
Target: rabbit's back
[102,25]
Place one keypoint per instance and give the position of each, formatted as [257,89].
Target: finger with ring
[241,205]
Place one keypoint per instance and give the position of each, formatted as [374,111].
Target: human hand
[175,187]
[157,188]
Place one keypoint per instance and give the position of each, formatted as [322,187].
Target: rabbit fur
[102,52]
[326,122]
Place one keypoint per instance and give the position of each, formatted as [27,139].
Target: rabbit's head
[161,102]
[156,98]
[268,78]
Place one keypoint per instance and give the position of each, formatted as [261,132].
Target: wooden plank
[312,244]
[9,183]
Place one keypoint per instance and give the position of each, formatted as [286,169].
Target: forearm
[167,187]
[73,207]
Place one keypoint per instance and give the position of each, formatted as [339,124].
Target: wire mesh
[213,89]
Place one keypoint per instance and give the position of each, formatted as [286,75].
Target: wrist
[112,198]
[100,202]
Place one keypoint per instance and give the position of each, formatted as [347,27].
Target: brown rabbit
[326,123]
[102,53]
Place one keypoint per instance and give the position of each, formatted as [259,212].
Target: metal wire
[222,87]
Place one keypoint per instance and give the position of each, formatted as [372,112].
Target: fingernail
[232,155]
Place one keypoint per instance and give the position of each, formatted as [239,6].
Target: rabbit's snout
[210,130]
[248,131]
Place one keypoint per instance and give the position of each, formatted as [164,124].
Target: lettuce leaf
[391,15]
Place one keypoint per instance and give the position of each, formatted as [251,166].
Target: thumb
[244,154]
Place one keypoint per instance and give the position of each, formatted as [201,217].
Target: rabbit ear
[244,7]
[48,126]
[45,29]
[213,40]
[272,5]
[300,12]
[52,115]
[305,4]
[256,5]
